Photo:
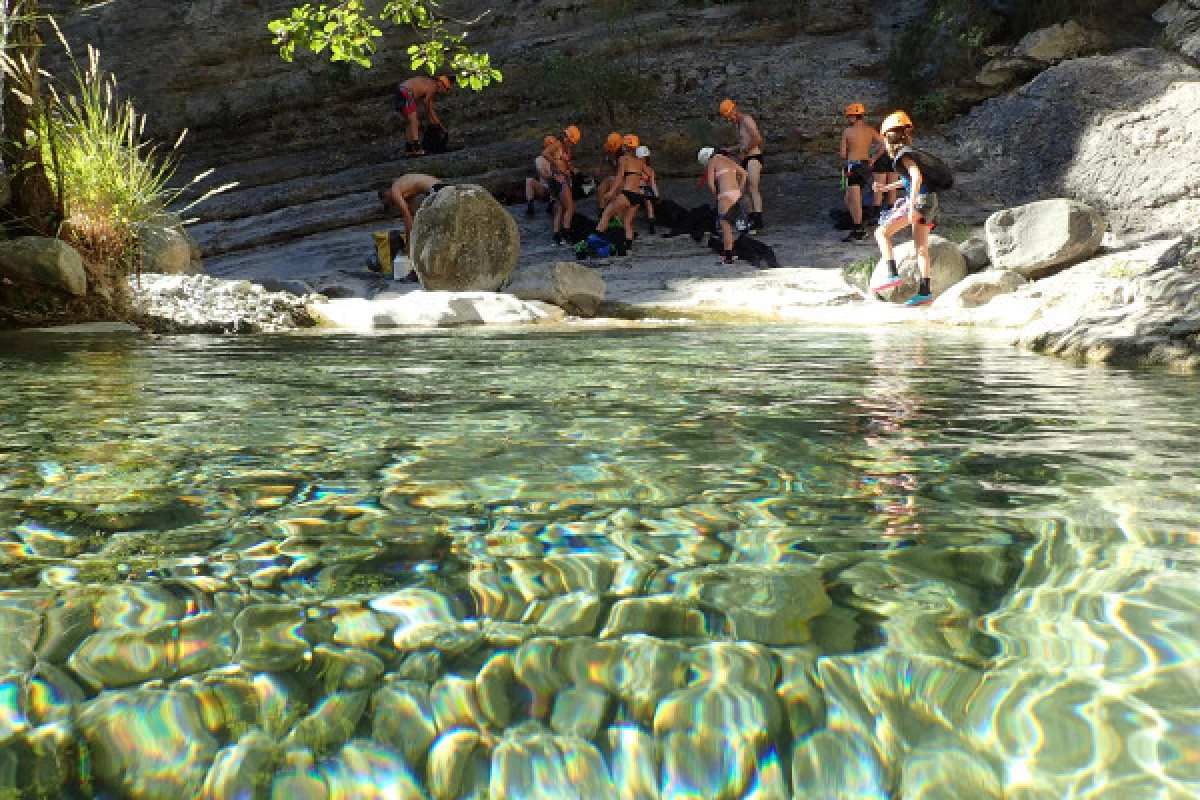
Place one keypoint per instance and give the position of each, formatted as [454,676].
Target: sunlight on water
[752,563]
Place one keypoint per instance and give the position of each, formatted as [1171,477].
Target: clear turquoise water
[677,562]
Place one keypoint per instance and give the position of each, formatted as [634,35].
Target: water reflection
[740,563]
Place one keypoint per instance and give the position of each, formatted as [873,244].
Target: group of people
[883,162]
[878,163]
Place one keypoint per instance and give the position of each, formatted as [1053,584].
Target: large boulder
[464,241]
[1060,42]
[45,261]
[166,249]
[946,268]
[1181,25]
[571,286]
[977,290]
[1042,238]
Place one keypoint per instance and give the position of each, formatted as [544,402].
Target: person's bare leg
[414,130]
[921,243]
[568,206]
[753,178]
[627,220]
[854,204]
[884,234]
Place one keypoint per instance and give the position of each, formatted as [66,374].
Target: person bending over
[727,180]
[404,189]
[540,188]
[419,89]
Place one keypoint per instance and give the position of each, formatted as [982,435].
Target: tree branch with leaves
[350,31]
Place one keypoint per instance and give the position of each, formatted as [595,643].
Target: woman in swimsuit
[649,185]
[726,179]
[625,197]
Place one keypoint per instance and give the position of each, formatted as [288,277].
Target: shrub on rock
[463,240]
[1039,239]
[946,268]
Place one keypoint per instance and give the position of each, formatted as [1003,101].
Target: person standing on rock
[727,180]
[649,184]
[608,164]
[857,141]
[422,89]
[919,209]
[625,197]
[561,177]
[404,189]
[749,152]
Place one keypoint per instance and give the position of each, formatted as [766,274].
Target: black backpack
[435,139]
[934,172]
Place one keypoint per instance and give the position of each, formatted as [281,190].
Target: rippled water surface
[745,563]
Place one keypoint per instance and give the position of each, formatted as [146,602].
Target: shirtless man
[857,142]
[727,181]
[405,188]
[608,168]
[749,152]
[420,88]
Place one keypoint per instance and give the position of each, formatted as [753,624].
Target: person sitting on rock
[919,209]
[608,164]
[749,152]
[561,177]
[727,180]
[419,88]
[857,141]
[625,197]
[540,188]
[405,188]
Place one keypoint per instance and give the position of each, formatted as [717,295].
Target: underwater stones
[459,767]
[241,769]
[938,771]
[585,660]
[657,615]
[50,694]
[202,642]
[771,604]
[454,704]
[495,686]
[738,712]
[423,620]
[116,657]
[12,717]
[649,670]
[531,763]
[299,779]
[356,626]
[631,576]
[581,711]
[579,572]
[66,623]
[270,636]
[19,630]
[635,762]
[347,668]
[802,700]
[497,596]
[147,742]
[364,770]
[331,723]
[834,764]
[401,717]
[535,666]
[737,662]
[574,614]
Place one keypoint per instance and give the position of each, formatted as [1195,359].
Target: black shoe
[558,237]
[550,209]
[856,235]
[529,212]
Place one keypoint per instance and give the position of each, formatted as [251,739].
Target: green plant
[109,178]
[600,86]
[858,273]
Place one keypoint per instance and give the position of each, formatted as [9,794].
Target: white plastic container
[401,266]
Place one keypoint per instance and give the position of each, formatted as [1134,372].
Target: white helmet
[705,154]
[642,152]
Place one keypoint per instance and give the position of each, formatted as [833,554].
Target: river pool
[677,562]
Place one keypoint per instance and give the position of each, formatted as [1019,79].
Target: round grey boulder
[946,268]
[464,240]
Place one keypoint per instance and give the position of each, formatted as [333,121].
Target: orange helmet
[445,81]
[630,140]
[855,110]
[727,107]
[613,143]
[896,120]
[572,133]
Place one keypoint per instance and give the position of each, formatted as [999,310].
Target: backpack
[435,139]
[934,172]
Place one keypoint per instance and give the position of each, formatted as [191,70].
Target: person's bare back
[857,140]
[404,189]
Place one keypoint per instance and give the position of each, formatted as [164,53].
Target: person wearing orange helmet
[608,164]
[555,151]
[919,209]
[419,88]
[625,196]
[858,139]
[750,155]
